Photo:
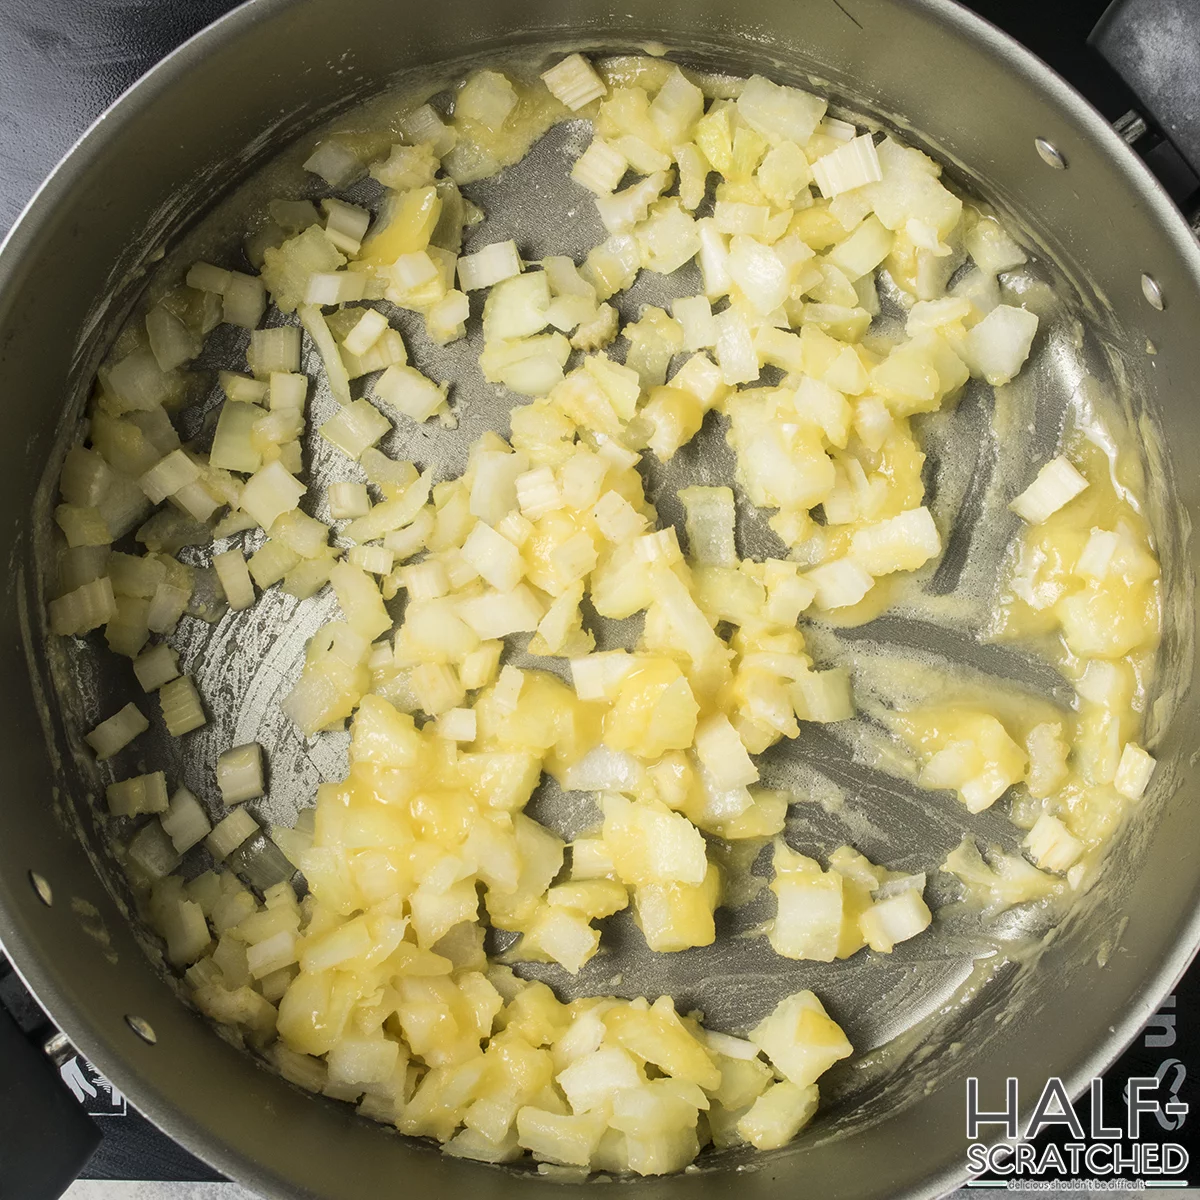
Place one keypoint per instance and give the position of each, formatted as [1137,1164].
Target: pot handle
[45,1136]
[1153,45]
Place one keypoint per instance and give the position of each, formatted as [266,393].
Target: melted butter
[481,152]
[1113,617]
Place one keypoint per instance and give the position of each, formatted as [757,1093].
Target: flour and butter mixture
[844,293]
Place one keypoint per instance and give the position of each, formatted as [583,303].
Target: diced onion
[233,447]
[204,277]
[735,348]
[446,321]
[530,537]
[407,167]
[183,926]
[345,224]
[758,271]
[695,315]
[613,265]
[1056,484]
[894,919]
[240,773]
[168,476]
[407,390]
[823,696]
[261,862]
[138,384]
[1097,554]
[335,162]
[366,332]
[781,113]
[457,725]
[1133,771]
[335,369]
[348,500]
[998,346]
[741,217]
[702,377]
[497,614]
[616,518]
[244,300]
[599,676]
[269,493]
[724,756]
[710,524]
[167,605]
[487,97]
[242,388]
[863,250]
[508,688]
[196,500]
[358,425]
[85,477]
[171,342]
[840,583]
[437,688]
[411,539]
[621,211]
[676,109]
[538,493]
[495,558]
[901,543]
[993,250]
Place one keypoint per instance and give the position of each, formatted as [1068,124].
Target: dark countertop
[62,62]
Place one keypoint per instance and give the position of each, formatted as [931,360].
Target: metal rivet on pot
[1050,154]
[143,1029]
[1153,293]
[42,887]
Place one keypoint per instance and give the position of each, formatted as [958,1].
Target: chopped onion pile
[374,988]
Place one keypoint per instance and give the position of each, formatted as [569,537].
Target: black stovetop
[63,61]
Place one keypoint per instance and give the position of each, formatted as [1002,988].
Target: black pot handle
[45,1136]
[1154,45]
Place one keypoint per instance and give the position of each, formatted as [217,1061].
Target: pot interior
[975,990]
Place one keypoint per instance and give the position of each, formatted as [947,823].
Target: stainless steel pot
[193,127]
